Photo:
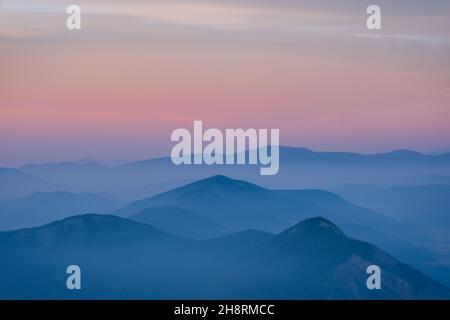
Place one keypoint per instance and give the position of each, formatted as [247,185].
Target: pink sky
[136,71]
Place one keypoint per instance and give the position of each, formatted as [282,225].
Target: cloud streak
[215,17]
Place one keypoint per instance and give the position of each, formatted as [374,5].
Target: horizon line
[123,162]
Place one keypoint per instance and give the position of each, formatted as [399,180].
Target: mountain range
[44,207]
[219,205]
[300,168]
[300,154]
[240,205]
[120,258]
[391,200]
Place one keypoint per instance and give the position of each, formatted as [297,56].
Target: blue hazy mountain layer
[219,205]
[240,205]
[402,216]
[123,259]
[180,222]
[299,168]
[15,183]
[429,204]
[44,207]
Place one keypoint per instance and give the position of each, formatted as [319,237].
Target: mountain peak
[203,192]
[89,229]
[218,178]
[221,182]
[314,226]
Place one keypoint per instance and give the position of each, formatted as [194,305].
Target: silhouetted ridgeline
[120,258]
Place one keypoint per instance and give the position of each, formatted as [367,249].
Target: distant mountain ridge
[239,205]
[307,155]
[428,205]
[299,168]
[44,207]
[15,183]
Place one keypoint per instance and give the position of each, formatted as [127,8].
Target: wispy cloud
[211,16]
[426,40]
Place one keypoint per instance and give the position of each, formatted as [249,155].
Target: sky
[137,70]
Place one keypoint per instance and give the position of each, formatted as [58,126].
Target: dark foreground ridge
[124,259]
